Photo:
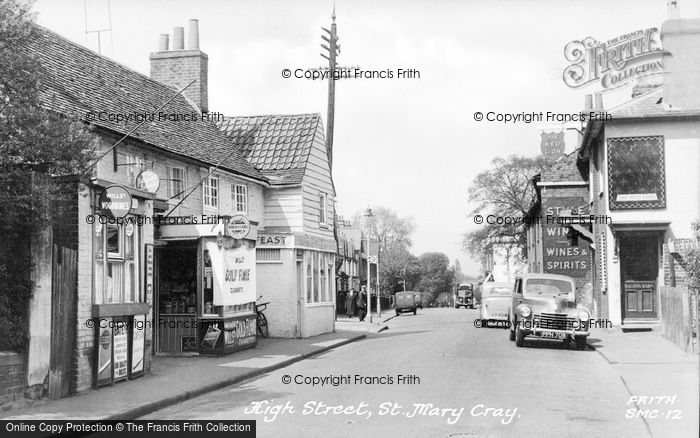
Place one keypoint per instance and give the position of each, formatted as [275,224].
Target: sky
[411,145]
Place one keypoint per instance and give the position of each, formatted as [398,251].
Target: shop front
[297,274]
[121,266]
[205,289]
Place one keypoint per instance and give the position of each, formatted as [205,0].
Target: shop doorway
[639,269]
[176,303]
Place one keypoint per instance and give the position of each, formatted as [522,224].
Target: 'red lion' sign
[552,145]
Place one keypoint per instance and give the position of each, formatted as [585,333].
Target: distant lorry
[465,296]
[405,302]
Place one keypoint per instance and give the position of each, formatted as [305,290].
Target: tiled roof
[280,148]
[78,81]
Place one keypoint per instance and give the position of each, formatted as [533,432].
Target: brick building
[110,274]
[557,245]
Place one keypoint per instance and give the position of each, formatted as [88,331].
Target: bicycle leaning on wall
[261,321]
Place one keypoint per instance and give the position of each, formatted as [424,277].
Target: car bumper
[540,332]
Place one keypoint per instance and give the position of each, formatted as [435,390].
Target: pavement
[650,365]
[176,379]
[374,324]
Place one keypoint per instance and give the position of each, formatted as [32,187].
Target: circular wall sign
[238,226]
[148,180]
[115,201]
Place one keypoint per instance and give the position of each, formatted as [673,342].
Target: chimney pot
[672,10]
[163,42]
[193,35]
[178,38]
[589,103]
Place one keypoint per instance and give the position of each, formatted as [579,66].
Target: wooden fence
[679,316]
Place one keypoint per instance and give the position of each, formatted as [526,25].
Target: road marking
[329,343]
[258,362]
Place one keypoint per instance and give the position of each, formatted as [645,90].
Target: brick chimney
[681,42]
[179,66]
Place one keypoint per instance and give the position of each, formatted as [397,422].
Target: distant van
[405,302]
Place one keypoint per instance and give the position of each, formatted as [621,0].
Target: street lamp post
[368,215]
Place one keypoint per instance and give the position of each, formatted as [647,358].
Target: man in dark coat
[362,303]
[351,303]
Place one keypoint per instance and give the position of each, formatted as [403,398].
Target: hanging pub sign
[552,145]
[636,172]
[115,201]
[615,62]
[148,181]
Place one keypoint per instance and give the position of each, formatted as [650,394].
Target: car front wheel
[581,342]
[519,337]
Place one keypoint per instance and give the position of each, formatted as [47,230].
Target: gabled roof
[77,81]
[280,148]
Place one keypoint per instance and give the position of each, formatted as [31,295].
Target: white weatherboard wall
[682,174]
[317,180]
[283,208]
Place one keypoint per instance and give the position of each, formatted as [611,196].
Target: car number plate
[553,335]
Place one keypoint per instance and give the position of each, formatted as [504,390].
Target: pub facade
[643,167]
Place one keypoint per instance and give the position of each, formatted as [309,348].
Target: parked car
[419,299]
[405,302]
[495,301]
[544,305]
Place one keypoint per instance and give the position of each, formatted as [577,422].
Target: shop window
[319,277]
[323,202]
[117,265]
[211,192]
[240,195]
[323,278]
[132,165]
[176,182]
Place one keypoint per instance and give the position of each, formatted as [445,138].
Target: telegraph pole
[332,49]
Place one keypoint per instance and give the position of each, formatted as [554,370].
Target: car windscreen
[547,287]
[497,292]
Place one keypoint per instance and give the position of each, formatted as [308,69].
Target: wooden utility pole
[333,51]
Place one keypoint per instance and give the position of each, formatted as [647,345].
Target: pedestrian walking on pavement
[351,303]
[362,303]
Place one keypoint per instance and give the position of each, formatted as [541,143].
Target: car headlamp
[583,315]
[525,311]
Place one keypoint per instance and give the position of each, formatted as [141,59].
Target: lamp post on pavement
[368,215]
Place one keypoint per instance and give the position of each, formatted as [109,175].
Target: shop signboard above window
[636,173]
[115,201]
